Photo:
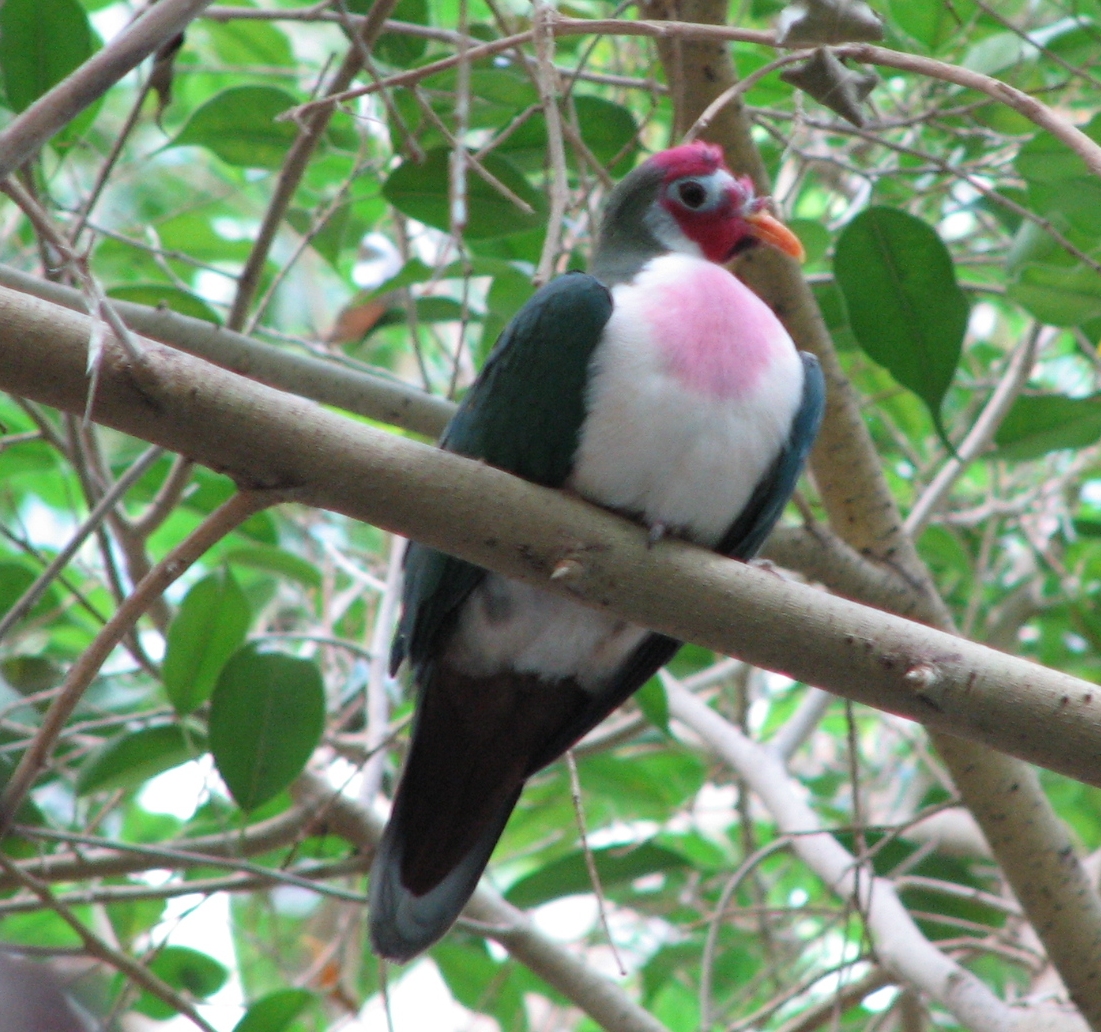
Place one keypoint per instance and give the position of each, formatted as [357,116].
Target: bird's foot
[655,533]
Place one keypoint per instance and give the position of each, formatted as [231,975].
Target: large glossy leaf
[266,716]
[570,874]
[905,308]
[41,41]
[421,192]
[210,626]
[239,126]
[186,970]
[133,757]
[1040,424]
[274,1012]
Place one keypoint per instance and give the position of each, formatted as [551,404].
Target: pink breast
[715,334]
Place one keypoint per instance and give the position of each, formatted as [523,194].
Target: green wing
[523,414]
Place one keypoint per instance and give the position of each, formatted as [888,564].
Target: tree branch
[267,440]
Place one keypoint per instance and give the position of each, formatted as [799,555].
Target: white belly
[684,442]
[678,437]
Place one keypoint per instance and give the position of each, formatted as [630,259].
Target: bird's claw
[656,532]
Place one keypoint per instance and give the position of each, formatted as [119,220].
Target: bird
[656,385]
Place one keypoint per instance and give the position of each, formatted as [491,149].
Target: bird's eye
[692,193]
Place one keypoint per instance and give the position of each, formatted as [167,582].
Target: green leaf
[1061,187]
[29,674]
[1049,283]
[483,984]
[239,126]
[40,43]
[266,718]
[210,626]
[1087,528]
[421,192]
[1047,159]
[277,561]
[15,578]
[1056,295]
[932,24]
[132,758]
[609,131]
[274,1012]
[329,239]
[905,308]
[814,237]
[251,42]
[399,50]
[569,874]
[162,295]
[186,970]
[654,704]
[1048,422]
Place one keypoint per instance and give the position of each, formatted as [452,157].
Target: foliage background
[944,211]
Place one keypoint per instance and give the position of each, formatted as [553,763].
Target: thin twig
[546,78]
[981,434]
[590,861]
[733,92]
[710,945]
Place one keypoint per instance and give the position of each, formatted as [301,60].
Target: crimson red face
[715,210]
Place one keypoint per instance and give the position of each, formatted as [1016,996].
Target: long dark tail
[404,922]
[473,746]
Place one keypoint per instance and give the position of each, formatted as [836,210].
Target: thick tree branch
[267,440]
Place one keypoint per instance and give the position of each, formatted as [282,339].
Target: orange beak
[772,231]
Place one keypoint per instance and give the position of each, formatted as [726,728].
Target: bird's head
[684,199]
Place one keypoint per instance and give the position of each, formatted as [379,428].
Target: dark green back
[524,415]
